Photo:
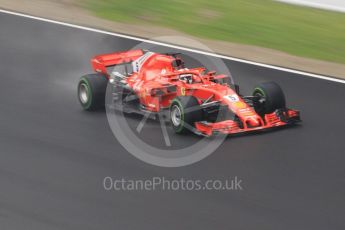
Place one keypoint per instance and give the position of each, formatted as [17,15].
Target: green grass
[296,30]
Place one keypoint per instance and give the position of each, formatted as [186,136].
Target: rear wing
[100,62]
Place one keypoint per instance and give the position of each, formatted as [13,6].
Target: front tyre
[91,91]
[184,112]
[269,97]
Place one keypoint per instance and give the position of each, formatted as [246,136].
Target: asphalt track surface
[54,156]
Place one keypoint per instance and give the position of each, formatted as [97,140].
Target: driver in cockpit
[187,78]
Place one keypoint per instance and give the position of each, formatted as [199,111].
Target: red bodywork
[156,82]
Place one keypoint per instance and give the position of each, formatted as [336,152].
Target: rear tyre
[270,97]
[184,112]
[91,91]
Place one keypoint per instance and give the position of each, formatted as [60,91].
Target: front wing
[279,118]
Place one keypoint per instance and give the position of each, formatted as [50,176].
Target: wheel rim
[83,93]
[258,94]
[259,105]
[176,115]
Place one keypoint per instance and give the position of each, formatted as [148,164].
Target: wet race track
[54,156]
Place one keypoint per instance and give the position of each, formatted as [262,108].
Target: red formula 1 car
[193,99]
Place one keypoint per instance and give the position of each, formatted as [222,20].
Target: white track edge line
[320,6]
[177,47]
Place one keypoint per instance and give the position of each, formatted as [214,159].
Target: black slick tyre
[91,91]
[270,97]
[184,112]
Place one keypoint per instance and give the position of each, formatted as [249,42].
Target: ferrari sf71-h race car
[193,99]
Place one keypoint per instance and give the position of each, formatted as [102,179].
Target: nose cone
[253,122]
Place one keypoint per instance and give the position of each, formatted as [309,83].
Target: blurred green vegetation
[297,30]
